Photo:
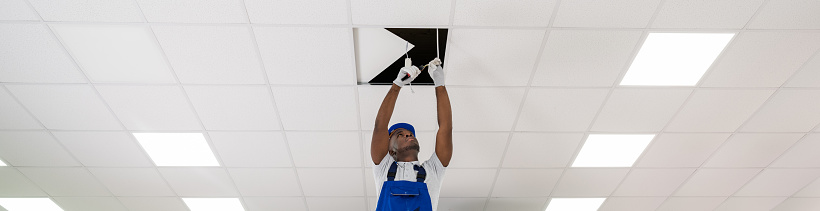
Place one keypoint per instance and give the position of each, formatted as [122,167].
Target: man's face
[405,140]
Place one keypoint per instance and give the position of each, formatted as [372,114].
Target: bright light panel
[114,52]
[675,59]
[2,163]
[177,149]
[213,204]
[602,150]
[575,204]
[29,204]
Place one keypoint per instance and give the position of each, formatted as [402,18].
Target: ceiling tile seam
[31,7]
[803,138]
[364,161]
[258,53]
[711,69]
[755,15]
[654,17]
[349,13]
[428,131]
[511,132]
[802,68]
[452,15]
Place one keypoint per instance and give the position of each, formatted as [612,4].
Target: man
[404,183]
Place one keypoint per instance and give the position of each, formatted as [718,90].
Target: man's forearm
[445,113]
[386,109]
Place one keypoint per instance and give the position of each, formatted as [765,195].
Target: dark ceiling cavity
[424,41]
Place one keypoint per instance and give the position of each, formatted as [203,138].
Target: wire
[437,50]
[405,49]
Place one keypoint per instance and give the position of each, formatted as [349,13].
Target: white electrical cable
[437,50]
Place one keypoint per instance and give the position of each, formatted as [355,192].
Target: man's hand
[411,71]
[436,72]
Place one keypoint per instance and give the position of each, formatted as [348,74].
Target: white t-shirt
[405,172]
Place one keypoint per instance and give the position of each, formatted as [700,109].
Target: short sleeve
[434,164]
[380,170]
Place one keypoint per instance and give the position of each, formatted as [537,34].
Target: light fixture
[575,204]
[177,149]
[2,163]
[611,150]
[675,59]
[29,204]
[213,204]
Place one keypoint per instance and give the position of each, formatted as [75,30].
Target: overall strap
[420,176]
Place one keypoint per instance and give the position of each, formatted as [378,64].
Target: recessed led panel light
[611,150]
[213,204]
[177,149]
[2,163]
[29,204]
[675,59]
[116,53]
[575,204]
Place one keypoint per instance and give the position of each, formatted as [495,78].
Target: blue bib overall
[404,195]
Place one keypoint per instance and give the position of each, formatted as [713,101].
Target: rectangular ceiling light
[213,204]
[177,149]
[601,150]
[29,204]
[575,204]
[675,59]
[2,163]
[116,53]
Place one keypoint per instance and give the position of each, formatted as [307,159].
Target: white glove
[412,71]
[436,72]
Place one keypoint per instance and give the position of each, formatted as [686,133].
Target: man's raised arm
[380,142]
[444,137]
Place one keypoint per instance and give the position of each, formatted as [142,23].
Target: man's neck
[408,158]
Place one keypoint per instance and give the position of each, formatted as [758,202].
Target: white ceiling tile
[116,53]
[541,150]
[65,181]
[195,182]
[17,10]
[802,154]
[234,107]
[606,14]
[418,109]
[750,203]
[639,110]
[315,181]
[290,55]
[560,109]
[503,13]
[779,182]
[461,203]
[14,116]
[366,12]
[681,150]
[701,14]
[652,182]
[525,182]
[120,149]
[799,204]
[467,102]
[717,110]
[478,149]
[752,150]
[49,104]
[14,184]
[811,190]
[787,15]
[150,107]
[298,11]
[311,149]
[808,76]
[691,203]
[317,108]
[427,142]
[716,182]
[491,57]
[153,203]
[584,58]
[787,111]
[519,204]
[749,60]
[632,203]
[587,182]
[266,182]
[275,204]
[88,10]
[33,149]
[372,203]
[468,182]
[133,181]
[336,203]
[251,149]
[90,203]
[370,184]
[31,54]
[211,54]
[194,11]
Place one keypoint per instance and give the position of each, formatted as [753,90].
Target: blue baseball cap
[406,126]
